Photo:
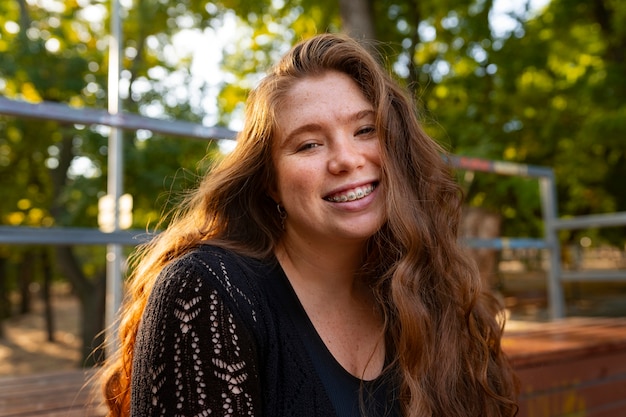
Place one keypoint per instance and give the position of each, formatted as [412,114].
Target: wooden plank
[585,399]
[568,368]
[570,373]
[65,393]
[571,368]
[564,340]
[615,410]
[545,410]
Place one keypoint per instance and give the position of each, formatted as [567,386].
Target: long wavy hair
[441,327]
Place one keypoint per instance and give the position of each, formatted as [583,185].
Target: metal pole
[547,188]
[114,182]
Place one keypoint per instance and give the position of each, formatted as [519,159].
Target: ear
[272,192]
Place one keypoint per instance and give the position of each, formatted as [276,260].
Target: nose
[345,155]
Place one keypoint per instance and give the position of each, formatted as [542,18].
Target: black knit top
[225,335]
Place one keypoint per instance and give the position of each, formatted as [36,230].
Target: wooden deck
[57,394]
[570,368]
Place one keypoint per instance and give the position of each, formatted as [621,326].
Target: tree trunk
[91,297]
[25,278]
[24,16]
[357,19]
[46,268]
[5,301]
[412,66]
[93,306]
[90,292]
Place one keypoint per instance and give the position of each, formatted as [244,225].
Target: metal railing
[588,222]
[556,275]
[545,176]
[81,116]
[117,238]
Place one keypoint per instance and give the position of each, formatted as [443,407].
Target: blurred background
[531,83]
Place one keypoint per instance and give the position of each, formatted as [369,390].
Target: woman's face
[327,161]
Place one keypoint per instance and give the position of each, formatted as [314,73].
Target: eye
[366,130]
[307,146]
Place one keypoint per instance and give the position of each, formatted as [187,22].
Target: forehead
[330,96]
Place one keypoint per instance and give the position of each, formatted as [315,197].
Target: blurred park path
[25,349]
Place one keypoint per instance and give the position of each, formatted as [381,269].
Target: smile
[351,195]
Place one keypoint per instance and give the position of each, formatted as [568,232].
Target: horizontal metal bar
[500,167]
[69,236]
[591,221]
[64,113]
[594,275]
[506,243]
[84,236]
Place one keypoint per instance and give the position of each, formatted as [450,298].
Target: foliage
[548,91]
[52,174]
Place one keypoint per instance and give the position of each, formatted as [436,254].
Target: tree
[549,91]
[562,86]
[56,172]
[38,155]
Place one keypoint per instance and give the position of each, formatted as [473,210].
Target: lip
[345,188]
[354,206]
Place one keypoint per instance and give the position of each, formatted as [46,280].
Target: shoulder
[198,340]
[212,262]
[216,272]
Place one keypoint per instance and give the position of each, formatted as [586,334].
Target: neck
[321,270]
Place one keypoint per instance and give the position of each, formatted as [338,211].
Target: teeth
[356,194]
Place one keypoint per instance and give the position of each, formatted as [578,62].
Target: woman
[316,269]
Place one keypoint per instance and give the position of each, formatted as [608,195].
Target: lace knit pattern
[191,352]
[214,342]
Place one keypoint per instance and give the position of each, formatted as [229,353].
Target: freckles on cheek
[294,184]
[286,183]
[298,186]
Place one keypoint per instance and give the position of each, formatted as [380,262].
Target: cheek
[296,181]
[287,180]
[375,154]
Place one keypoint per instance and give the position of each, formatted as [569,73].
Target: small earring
[282,214]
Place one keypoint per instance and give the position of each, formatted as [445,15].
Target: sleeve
[193,356]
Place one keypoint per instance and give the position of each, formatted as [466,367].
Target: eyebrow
[316,127]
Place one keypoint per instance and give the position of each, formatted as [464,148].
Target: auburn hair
[441,326]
